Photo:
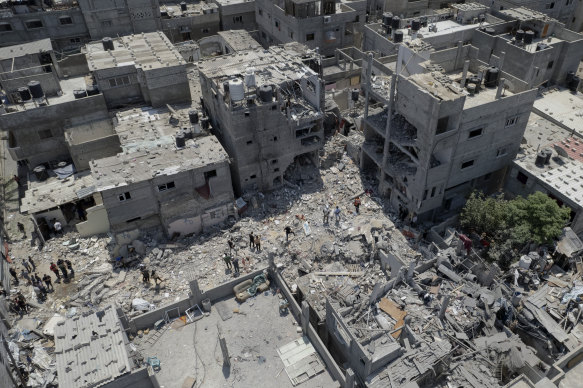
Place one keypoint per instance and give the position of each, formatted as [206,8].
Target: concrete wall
[49,81]
[74,65]
[138,378]
[198,26]
[97,221]
[85,152]
[229,14]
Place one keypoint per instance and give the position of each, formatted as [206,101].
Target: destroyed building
[266,109]
[327,25]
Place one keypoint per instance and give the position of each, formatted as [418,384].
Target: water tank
[570,76]
[187,132]
[204,123]
[41,173]
[107,43]
[183,6]
[519,35]
[24,93]
[528,37]
[193,116]
[471,89]
[36,89]
[180,140]
[574,84]
[475,81]
[489,31]
[250,77]
[387,19]
[92,90]
[415,25]
[354,93]
[236,89]
[265,93]
[398,37]
[540,158]
[196,131]
[396,22]
[79,93]
[492,76]
[548,154]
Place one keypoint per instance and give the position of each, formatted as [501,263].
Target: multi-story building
[327,25]
[190,20]
[562,10]
[448,131]
[266,109]
[237,14]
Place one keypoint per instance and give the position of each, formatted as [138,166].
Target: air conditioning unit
[327,19]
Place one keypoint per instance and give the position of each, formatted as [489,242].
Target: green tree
[484,214]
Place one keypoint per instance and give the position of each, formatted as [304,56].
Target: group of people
[254,242]
[62,265]
[146,275]
[232,263]
[337,212]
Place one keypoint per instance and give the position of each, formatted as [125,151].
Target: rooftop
[564,107]
[90,349]
[23,49]
[146,51]
[142,165]
[239,40]
[524,14]
[255,333]
[173,9]
[437,84]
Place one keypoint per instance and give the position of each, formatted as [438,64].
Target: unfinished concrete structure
[138,68]
[158,181]
[563,11]
[327,25]
[237,14]
[186,20]
[226,42]
[266,109]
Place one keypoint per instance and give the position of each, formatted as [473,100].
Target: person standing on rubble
[25,274]
[32,263]
[21,229]
[156,277]
[357,204]
[231,246]
[55,270]
[236,265]
[227,260]
[63,268]
[326,211]
[48,282]
[337,214]
[288,231]
[145,275]
[258,242]
[70,267]
[251,241]
[26,265]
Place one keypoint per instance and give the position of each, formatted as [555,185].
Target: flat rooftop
[173,9]
[239,40]
[437,84]
[525,14]
[563,106]
[26,48]
[254,332]
[146,51]
[127,168]
[54,192]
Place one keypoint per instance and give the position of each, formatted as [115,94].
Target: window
[237,19]
[5,27]
[467,164]
[277,23]
[75,40]
[125,196]
[45,134]
[249,142]
[550,6]
[487,176]
[522,178]
[204,30]
[433,192]
[253,176]
[511,121]
[501,152]
[276,169]
[32,24]
[134,219]
[274,161]
[210,174]
[263,35]
[65,20]
[310,36]
[442,125]
[120,81]
[260,12]
[550,65]
[106,23]
[275,137]
[291,34]
[166,186]
[475,132]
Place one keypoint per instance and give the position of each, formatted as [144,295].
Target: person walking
[337,214]
[14,275]
[32,263]
[156,277]
[26,265]
[48,282]
[70,267]
[258,242]
[145,275]
[357,204]
[251,241]
[227,260]
[326,211]
[25,275]
[37,278]
[21,228]
[53,267]
[62,266]
[236,265]
[288,231]
[231,246]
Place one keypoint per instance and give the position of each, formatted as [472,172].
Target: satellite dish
[561,151]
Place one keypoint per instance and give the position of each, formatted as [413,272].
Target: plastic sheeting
[64,172]
[573,294]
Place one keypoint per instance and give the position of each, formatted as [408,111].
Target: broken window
[237,19]
[249,142]
[4,27]
[522,178]
[166,186]
[31,24]
[124,196]
[310,37]
[45,134]
[467,164]
[442,125]
[65,20]
[475,132]
[209,174]
[511,121]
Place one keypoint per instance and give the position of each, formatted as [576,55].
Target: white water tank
[236,89]
[250,77]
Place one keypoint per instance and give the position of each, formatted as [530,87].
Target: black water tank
[193,116]
[204,123]
[107,43]
[226,86]
[490,31]
[528,37]
[265,93]
[519,35]
[574,84]
[396,22]
[398,37]
[415,25]
[354,93]
[36,89]
[492,76]
[570,76]
[24,93]
[41,173]
[92,90]
[540,158]
[387,19]
[180,140]
[548,153]
[183,6]
[80,93]
[476,81]
[188,134]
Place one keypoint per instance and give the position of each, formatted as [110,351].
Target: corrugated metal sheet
[90,350]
